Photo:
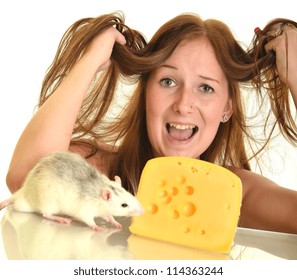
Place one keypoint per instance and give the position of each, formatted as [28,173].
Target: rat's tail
[5,203]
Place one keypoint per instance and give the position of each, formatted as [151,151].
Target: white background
[30,31]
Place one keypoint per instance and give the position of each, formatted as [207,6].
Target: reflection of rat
[63,183]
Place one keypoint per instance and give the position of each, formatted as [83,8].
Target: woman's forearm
[51,127]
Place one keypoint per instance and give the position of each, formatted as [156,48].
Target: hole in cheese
[166,199]
[189,209]
[189,190]
[174,191]
[175,214]
[163,193]
[152,208]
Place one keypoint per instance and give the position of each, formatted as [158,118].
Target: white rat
[64,183]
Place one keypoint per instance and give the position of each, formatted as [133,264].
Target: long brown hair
[132,65]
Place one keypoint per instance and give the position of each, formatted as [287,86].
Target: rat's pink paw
[61,220]
[97,228]
[117,225]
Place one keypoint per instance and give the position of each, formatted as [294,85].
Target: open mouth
[181,132]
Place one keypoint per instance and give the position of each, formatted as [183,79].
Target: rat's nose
[138,212]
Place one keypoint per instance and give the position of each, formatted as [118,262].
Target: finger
[120,38]
[271,45]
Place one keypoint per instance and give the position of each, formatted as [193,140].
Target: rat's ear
[118,179]
[106,194]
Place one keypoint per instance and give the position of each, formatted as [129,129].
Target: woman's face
[185,100]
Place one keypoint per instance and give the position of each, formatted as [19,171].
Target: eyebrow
[209,78]
[168,66]
[201,76]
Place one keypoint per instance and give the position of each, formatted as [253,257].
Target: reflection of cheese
[189,202]
[143,248]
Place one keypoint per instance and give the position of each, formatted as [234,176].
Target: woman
[186,102]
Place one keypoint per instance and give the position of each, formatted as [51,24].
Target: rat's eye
[124,205]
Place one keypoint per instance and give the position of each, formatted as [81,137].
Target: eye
[124,205]
[206,88]
[167,82]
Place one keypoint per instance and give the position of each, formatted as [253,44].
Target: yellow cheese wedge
[189,202]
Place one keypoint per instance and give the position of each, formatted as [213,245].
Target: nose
[138,211]
[185,102]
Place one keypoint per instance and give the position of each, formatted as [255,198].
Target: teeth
[181,126]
